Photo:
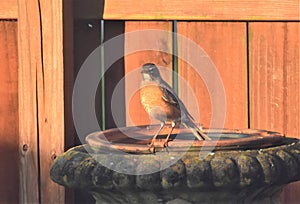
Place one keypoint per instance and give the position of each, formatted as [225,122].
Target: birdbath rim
[135,139]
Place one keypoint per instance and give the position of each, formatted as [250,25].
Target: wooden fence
[253,44]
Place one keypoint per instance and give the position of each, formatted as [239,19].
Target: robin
[162,103]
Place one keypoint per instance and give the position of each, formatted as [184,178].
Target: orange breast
[155,105]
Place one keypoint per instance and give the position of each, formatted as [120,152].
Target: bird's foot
[151,147]
[166,146]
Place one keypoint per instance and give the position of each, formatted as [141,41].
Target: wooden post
[41,102]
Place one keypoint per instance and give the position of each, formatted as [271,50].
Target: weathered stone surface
[272,168]
[123,180]
[224,172]
[198,173]
[227,176]
[290,165]
[174,176]
[101,177]
[178,201]
[250,171]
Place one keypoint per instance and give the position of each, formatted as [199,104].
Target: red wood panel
[274,63]
[9,126]
[225,43]
[274,83]
[135,114]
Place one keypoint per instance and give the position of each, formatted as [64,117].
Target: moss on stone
[249,174]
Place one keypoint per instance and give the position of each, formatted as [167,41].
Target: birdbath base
[242,166]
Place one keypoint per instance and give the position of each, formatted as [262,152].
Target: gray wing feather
[171,97]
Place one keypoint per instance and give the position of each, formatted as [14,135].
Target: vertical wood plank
[135,114]
[41,98]
[9,127]
[274,63]
[225,43]
[29,49]
[274,83]
[51,97]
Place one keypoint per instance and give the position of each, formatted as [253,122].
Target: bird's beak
[143,71]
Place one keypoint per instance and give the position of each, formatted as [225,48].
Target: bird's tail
[197,132]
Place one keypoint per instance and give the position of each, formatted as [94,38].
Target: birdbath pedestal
[236,166]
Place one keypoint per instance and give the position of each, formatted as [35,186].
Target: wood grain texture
[29,50]
[136,115]
[9,127]
[51,98]
[202,10]
[274,83]
[274,71]
[225,45]
[8,9]
[41,98]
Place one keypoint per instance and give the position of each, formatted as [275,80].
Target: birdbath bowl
[117,166]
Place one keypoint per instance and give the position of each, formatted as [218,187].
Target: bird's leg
[167,139]
[162,124]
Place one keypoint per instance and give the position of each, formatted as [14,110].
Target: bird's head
[150,72]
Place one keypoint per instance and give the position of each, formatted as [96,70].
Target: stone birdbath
[237,166]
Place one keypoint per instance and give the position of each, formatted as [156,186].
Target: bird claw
[167,149]
[166,146]
[151,147]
